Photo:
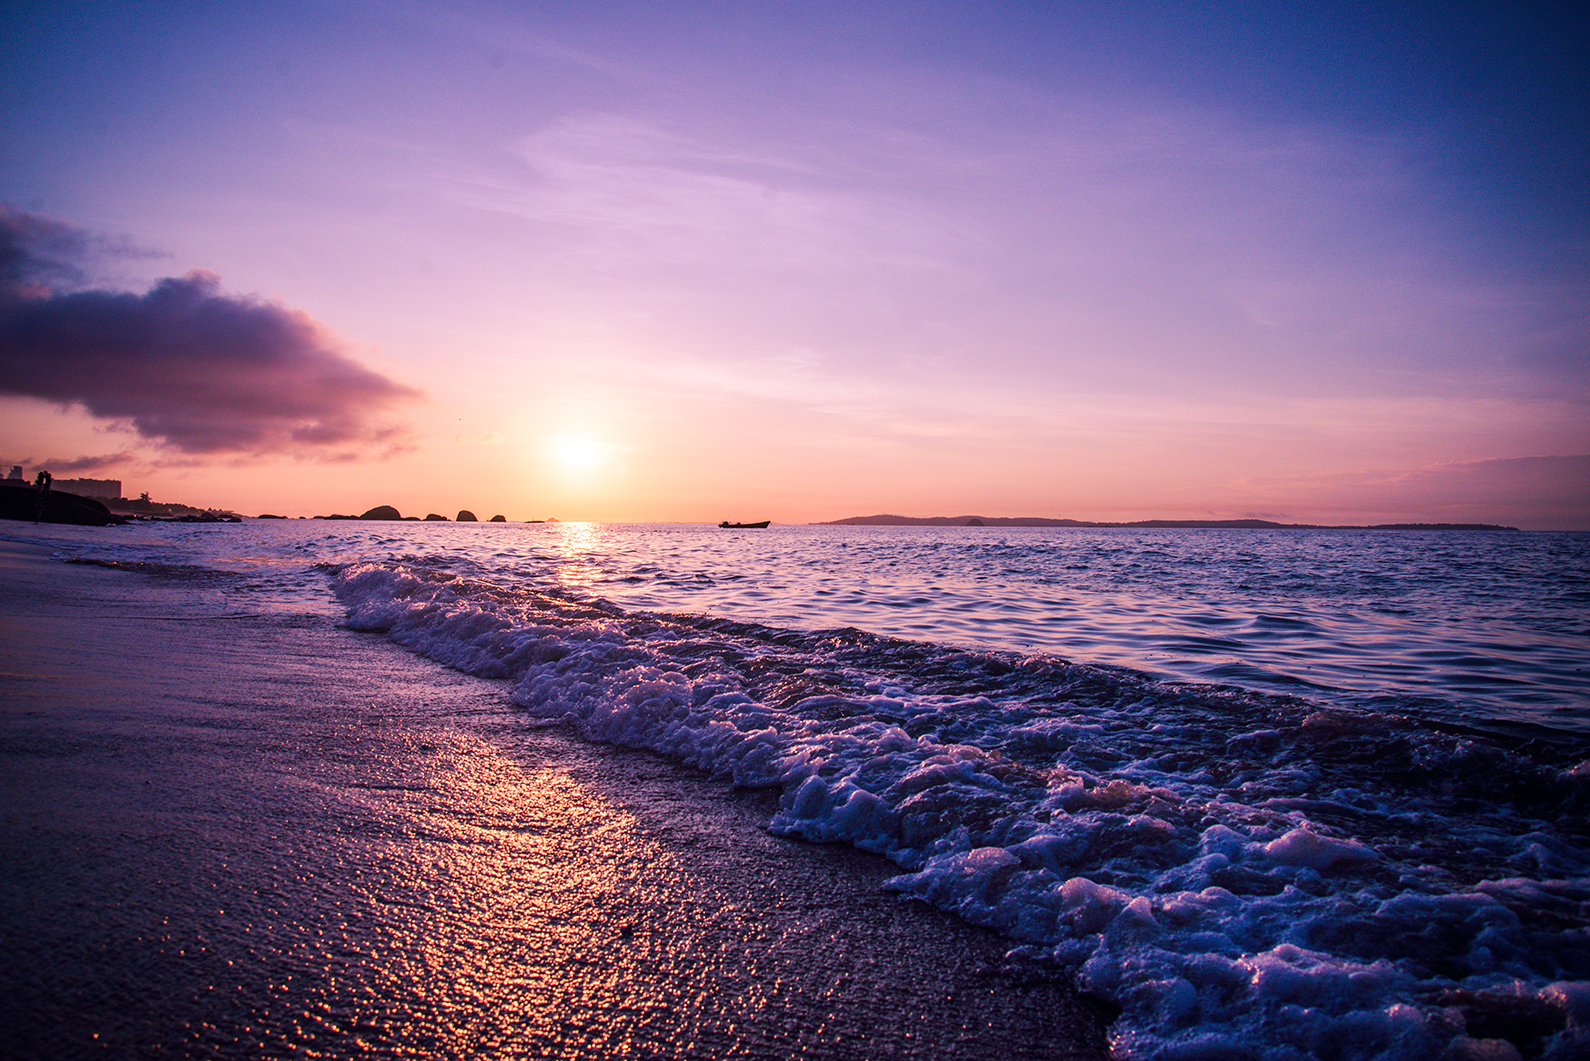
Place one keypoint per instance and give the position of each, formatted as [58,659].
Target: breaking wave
[1245,875]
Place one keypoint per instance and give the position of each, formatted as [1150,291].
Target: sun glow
[573,453]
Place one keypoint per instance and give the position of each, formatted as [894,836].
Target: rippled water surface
[1493,623]
[1489,627]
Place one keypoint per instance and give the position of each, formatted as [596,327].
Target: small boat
[745,526]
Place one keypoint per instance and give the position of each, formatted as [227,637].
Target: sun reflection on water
[576,544]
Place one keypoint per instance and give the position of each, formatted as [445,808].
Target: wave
[1245,875]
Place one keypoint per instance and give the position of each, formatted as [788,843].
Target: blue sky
[1100,261]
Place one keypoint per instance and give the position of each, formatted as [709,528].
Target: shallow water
[1280,794]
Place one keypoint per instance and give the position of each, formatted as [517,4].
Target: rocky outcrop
[466,516]
[22,502]
[196,517]
[382,512]
[498,519]
[432,517]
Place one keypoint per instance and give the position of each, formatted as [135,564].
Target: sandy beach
[264,835]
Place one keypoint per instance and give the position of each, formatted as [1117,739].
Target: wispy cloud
[1079,243]
[74,465]
[634,194]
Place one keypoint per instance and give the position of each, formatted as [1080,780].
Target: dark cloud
[36,252]
[75,466]
[183,364]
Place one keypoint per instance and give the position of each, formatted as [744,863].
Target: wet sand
[267,836]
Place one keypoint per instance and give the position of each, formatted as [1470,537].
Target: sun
[576,454]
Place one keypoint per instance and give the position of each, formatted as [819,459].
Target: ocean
[1278,794]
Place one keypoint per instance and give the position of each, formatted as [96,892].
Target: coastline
[255,835]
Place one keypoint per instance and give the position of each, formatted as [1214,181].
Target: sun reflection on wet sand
[528,910]
[510,901]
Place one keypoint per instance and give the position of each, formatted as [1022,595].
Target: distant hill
[954,521]
[1147,524]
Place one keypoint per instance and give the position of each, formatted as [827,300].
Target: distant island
[1144,524]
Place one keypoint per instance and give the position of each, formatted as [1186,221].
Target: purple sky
[804,261]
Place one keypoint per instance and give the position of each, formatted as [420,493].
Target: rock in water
[498,519]
[382,512]
[465,516]
[432,517]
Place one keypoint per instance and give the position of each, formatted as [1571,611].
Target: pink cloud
[184,365]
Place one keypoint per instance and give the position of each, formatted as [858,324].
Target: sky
[803,261]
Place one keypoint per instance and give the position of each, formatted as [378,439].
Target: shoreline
[262,834]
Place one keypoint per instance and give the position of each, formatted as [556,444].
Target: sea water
[1277,794]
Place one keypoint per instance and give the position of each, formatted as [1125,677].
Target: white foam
[1304,847]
